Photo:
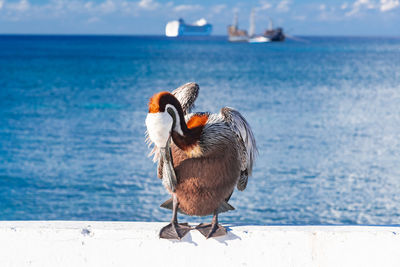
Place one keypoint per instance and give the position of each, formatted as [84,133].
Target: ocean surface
[325,112]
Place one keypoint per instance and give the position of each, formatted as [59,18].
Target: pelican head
[165,115]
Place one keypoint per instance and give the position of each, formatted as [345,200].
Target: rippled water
[325,113]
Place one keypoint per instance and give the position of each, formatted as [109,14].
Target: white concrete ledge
[70,243]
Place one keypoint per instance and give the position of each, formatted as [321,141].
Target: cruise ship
[177,28]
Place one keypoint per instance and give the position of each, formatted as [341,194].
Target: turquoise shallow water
[325,113]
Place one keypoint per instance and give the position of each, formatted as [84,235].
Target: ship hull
[176,28]
[259,39]
[237,39]
[275,35]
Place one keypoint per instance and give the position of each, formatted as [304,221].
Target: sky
[331,17]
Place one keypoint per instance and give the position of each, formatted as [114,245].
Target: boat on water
[253,38]
[259,39]
[270,35]
[274,34]
[235,34]
[177,28]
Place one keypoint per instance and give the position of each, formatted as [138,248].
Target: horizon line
[202,37]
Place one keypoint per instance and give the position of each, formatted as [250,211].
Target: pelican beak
[169,176]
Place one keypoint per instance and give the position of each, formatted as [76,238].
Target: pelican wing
[187,94]
[246,141]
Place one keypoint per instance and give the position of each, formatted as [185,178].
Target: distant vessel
[259,39]
[235,34]
[177,28]
[252,37]
[270,35]
[275,35]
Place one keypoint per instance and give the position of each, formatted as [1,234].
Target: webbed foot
[175,231]
[211,229]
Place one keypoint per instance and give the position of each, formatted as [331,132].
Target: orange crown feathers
[154,103]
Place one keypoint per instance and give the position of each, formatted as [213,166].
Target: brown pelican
[208,155]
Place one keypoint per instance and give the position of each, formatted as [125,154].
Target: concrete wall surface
[72,243]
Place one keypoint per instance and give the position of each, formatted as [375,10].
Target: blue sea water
[325,112]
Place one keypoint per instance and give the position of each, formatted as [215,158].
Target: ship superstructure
[235,34]
[177,28]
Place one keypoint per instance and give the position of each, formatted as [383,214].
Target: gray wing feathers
[187,94]
[246,140]
[160,167]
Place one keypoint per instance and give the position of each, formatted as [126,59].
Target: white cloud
[1,4]
[329,13]
[22,5]
[89,5]
[91,8]
[87,10]
[129,8]
[148,4]
[218,8]
[283,6]
[358,5]
[56,4]
[107,6]
[344,5]
[181,8]
[264,5]
[387,5]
